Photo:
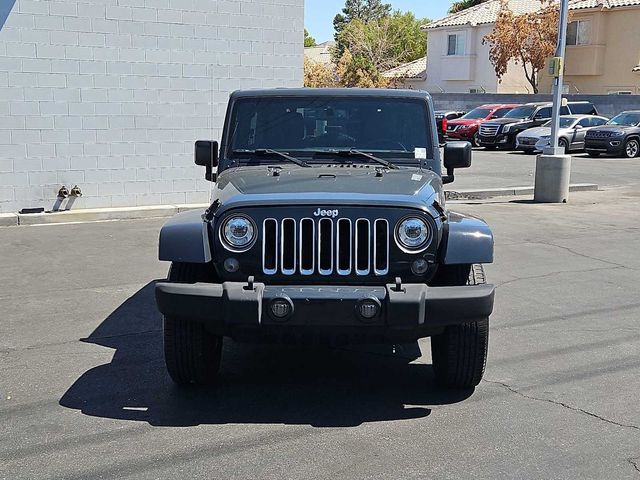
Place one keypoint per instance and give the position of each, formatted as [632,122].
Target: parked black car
[334,230]
[442,117]
[502,132]
[620,136]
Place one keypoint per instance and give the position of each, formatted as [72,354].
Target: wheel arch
[467,240]
[185,238]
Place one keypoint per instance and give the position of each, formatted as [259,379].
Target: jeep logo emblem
[325,213]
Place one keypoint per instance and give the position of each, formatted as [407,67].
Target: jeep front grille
[596,134]
[489,130]
[325,246]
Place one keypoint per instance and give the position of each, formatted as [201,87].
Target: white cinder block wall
[110,95]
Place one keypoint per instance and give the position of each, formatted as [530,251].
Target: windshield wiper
[353,153]
[268,151]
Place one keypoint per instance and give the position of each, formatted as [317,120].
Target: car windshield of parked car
[564,122]
[477,113]
[501,112]
[520,112]
[631,119]
[303,126]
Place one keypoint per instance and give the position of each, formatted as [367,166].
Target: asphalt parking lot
[491,169]
[84,393]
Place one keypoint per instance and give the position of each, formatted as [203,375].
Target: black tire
[192,354]
[460,352]
[475,141]
[631,148]
[593,154]
[563,143]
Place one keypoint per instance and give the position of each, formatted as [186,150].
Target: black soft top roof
[331,92]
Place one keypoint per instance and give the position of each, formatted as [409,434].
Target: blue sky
[318,14]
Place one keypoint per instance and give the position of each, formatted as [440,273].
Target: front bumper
[461,134]
[527,146]
[611,145]
[500,140]
[412,312]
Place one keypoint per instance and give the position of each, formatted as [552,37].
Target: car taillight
[444,124]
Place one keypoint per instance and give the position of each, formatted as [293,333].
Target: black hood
[335,184]
[610,128]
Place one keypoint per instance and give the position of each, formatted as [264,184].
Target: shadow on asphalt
[319,386]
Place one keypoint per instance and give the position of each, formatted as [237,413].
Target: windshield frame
[402,158]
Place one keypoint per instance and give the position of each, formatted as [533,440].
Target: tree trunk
[534,80]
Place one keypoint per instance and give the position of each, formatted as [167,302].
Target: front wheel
[460,353]
[192,354]
[476,140]
[564,144]
[632,148]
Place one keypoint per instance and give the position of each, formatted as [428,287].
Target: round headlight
[413,233]
[238,232]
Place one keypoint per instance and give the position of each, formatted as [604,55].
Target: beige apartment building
[603,48]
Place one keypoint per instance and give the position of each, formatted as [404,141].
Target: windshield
[501,112]
[520,112]
[564,122]
[478,113]
[631,119]
[302,126]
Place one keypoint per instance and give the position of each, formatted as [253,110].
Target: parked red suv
[466,127]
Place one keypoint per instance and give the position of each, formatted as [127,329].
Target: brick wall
[110,95]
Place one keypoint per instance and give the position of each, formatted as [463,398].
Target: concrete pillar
[552,178]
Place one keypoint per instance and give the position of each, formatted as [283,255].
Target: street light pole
[559,80]
[553,167]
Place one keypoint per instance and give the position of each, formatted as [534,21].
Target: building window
[456,43]
[579,32]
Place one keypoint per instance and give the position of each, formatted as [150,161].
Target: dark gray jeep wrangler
[327,221]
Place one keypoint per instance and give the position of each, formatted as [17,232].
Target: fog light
[231,265]
[369,308]
[419,266]
[281,308]
[615,143]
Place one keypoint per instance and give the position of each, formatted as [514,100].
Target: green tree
[383,43]
[309,41]
[363,10]
[464,4]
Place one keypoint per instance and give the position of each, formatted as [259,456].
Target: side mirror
[578,127]
[206,155]
[456,155]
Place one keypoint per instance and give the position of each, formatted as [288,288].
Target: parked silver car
[573,129]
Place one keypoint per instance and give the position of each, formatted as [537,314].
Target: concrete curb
[481,194]
[8,219]
[97,214]
[163,211]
